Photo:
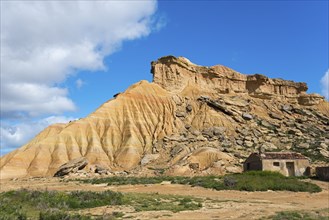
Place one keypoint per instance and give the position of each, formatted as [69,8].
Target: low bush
[9,211]
[268,180]
[63,200]
[48,205]
[248,181]
[299,215]
[61,215]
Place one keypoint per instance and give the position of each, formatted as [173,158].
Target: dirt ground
[217,204]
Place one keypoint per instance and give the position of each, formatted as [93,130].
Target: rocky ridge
[191,120]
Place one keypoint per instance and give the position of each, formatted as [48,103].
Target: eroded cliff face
[175,74]
[191,120]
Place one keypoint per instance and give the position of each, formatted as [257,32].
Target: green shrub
[248,181]
[230,181]
[48,205]
[10,211]
[64,200]
[156,202]
[60,215]
[299,215]
[23,203]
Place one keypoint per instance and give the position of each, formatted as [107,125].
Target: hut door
[291,168]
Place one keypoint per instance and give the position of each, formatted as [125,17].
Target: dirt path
[236,204]
[217,204]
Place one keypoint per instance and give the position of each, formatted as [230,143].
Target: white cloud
[12,136]
[79,83]
[44,42]
[34,98]
[325,85]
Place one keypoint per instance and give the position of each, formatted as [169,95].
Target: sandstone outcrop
[191,120]
[72,166]
[175,74]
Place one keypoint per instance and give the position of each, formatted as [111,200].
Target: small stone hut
[287,163]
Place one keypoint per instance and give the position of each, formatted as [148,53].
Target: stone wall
[322,173]
[253,162]
[300,166]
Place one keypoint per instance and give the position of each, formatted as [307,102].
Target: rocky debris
[324,150]
[187,126]
[304,145]
[101,169]
[248,143]
[267,125]
[324,153]
[120,173]
[176,150]
[247,116]
[181,114]
[275,116]
[324,119]
[287,108]
[216,105]
[213,131]
[267,146]
[194,166]
[71,167]
[189,108]
[149,158]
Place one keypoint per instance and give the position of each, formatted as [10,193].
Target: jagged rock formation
[176,75]
[190,120]
[72,166]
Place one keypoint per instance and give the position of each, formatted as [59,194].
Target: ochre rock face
[194,120]
[175,74]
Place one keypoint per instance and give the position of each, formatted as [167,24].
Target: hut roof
[280,155]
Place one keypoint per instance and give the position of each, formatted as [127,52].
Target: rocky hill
[190,120]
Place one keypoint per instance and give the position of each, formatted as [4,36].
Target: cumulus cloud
[44,42]
[325,85]
[33,98]
[12,136]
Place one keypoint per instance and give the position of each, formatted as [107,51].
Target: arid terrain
[191,121]
[226,204]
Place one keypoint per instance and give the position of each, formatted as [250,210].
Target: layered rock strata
[191,120]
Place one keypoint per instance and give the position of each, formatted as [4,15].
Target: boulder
[286,108]
[180,114]
[148,158]
[189,108]
[248,143]
[275,116]
[101,169]
[213,131]
[267,125]
[247,116]
[71,167]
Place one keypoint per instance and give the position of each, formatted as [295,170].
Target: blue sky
[94,51]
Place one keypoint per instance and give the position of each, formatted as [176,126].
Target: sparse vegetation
[57,214]
[296,215]
[156,202]
[24,204]
[249,181]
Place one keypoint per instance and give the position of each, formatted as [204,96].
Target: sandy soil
[217,204]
